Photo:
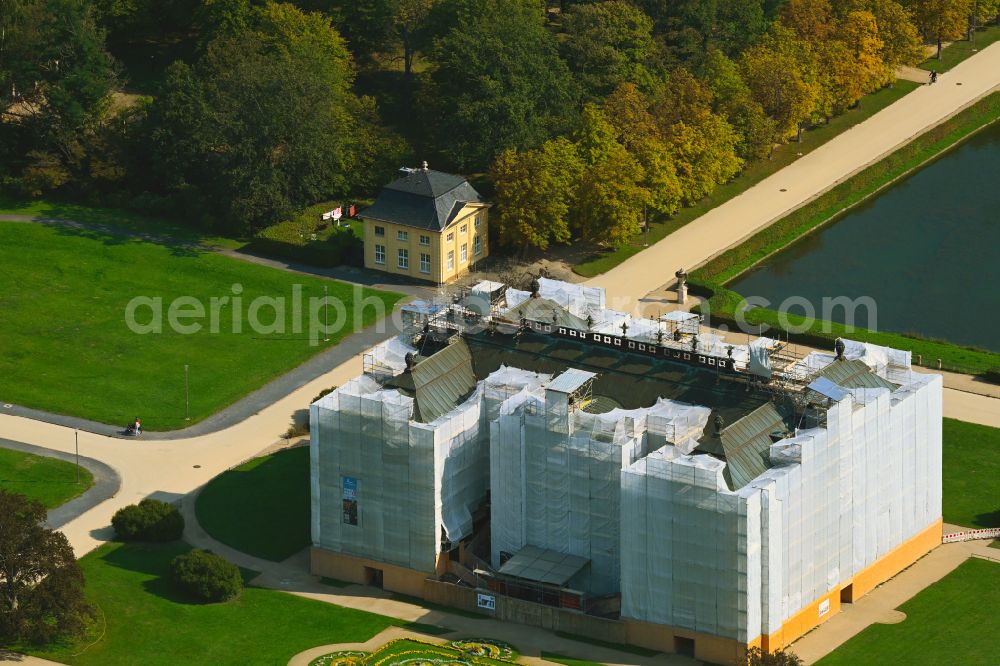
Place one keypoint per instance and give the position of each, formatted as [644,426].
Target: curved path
[734,221]
[106,482]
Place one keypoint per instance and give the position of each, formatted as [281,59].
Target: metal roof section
[423,198]
[827,389]
[543,566]
[545,310]
[747,445]
[854,374]
[443,380]
[570,381]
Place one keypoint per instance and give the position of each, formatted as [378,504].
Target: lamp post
[76,435]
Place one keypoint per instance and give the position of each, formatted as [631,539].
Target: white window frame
[464,229]
[464,253]
[379,231]
[479,219]
[403,259]
[451,237]
[403,236]
[425,240]
[451,260]
[477,245]
[425,262]
[380,252]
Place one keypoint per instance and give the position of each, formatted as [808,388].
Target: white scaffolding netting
[835,500]
[408,481]
[576,298]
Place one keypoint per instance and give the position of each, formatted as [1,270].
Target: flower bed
[412,652]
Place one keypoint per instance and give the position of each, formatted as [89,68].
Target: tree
[610,199]
[704,152]
[205,576]
[859,32]
[627,110]
[409,20]
[901,44]
[940,20]
[732,99]
[55,81]
[690,27]
[809,19]
[497,82]
[700,141]
[365,25]
[758,657]
[263,124]
[779,73]
[41,584]
[636,129]
[535,190]
[607,43]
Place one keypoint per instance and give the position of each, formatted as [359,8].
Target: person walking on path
[933,76]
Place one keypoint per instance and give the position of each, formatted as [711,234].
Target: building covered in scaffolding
[641,480]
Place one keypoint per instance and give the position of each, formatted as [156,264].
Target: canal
[926,250]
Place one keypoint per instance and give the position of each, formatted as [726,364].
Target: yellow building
[428,225]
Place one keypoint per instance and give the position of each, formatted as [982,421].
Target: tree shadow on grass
[111,237]
[153,559]
[991,519]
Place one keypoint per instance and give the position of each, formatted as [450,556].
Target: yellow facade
[437,256]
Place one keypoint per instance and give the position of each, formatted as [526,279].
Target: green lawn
[48,480]
[67,348]
[260,507]
[754,173]
[956,52]
[971,475]
[148,624]
[954,621]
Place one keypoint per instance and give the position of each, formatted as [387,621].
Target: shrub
[992,375]
[205,576]
[149,520]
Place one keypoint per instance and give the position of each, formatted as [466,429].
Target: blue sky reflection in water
[927,250]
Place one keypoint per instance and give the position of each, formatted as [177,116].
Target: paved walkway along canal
[796,184]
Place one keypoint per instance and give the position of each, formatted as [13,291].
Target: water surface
[927,250]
